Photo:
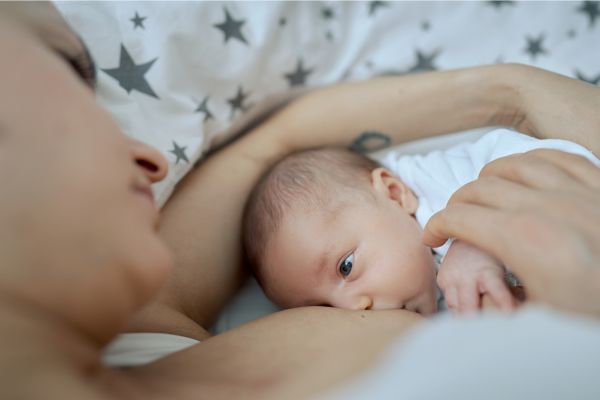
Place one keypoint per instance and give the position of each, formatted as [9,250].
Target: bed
[189,77]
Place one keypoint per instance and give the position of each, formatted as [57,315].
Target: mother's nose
[152,163]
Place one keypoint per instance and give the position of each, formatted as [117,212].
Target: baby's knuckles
[442,279]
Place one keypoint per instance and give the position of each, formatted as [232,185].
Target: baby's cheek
[282,291]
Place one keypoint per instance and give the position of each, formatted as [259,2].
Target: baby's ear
[388,185]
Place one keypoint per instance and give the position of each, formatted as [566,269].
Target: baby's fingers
[468,298]
[499,293]
[451,297]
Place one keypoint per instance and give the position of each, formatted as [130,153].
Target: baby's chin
[427,305]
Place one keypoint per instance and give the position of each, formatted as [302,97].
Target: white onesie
[435,176]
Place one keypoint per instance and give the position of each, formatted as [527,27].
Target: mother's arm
[292,354]
[201,223]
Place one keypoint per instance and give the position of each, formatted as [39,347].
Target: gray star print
[237,103]
[327,13]
[592,9]
[498,4]
[424,62]
[179,152]
[298,77]
[593,81]
[131,75]
[535,46]
[231,28]
[138,21]
[203,107]
[375,5]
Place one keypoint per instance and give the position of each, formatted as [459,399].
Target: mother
[82,259]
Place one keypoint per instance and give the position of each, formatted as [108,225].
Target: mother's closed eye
[47,24]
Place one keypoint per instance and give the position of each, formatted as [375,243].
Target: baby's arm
[467,274]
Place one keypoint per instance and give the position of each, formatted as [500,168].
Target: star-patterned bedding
[185,77]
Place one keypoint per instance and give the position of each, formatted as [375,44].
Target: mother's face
[77,221]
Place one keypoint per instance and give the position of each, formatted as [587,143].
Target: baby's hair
[305,180]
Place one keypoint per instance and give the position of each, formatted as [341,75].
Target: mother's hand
[550,105]
[538,213]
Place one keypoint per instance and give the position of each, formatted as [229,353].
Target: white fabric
[533,354]
[336,41]
[435,176]
[131,349]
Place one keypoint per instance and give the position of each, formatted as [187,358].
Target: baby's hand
[467,273]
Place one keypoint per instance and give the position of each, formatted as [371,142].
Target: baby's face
[363,256]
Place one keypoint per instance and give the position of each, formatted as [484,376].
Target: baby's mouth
[410,307]
[419,306]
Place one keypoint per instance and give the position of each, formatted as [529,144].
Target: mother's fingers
[473,223]
[495,192]
[575,165]
[545,169]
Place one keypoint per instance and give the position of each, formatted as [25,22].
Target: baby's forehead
[306,239]
[325,212]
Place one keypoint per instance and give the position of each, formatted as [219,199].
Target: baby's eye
[346,265]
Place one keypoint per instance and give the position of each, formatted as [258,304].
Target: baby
[333,227]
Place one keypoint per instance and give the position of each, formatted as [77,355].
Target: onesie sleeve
[504,142]
[435,176]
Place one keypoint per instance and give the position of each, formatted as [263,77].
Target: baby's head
[330,227]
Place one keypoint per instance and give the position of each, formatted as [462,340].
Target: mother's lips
[146,191]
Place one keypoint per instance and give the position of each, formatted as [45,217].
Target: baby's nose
[364,303]
[352,302]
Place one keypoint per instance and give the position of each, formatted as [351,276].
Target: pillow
[182,76]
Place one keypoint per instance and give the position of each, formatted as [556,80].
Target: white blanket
[533,354]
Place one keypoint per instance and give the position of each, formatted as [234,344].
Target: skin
[378,238]
[109,175]
[467,274]
[549,198]
[48,26]
[364,252]
[62,326]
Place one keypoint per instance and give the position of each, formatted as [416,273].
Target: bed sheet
[187,76]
